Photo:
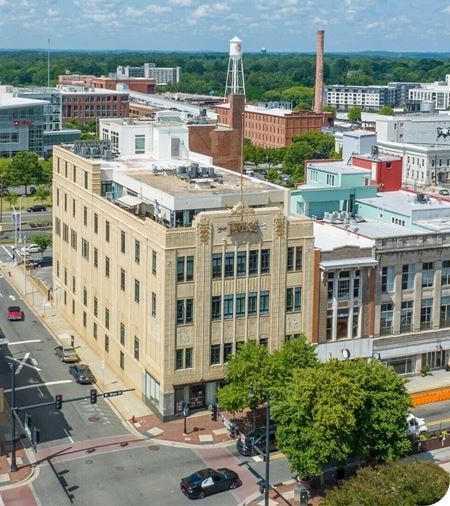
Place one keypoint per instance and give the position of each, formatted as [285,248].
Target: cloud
[181,3]
[446,10]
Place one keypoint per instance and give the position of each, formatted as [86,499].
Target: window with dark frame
[122,334]
[136,348]
[215,354]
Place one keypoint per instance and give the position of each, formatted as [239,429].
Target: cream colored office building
[163,271]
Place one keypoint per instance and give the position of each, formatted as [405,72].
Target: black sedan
[82,374]
[209,481]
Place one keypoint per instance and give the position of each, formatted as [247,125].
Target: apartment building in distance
[162,75]
[165,266]
[273,127]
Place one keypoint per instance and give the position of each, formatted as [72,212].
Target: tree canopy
[341,410]
[399,483]
[354,113]
[25,169]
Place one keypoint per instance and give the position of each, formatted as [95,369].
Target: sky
[201,25]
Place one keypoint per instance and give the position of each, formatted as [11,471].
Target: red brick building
[82,106]
[274,128]
[222,143]
[138,84]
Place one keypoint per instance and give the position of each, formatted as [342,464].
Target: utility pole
[13,467]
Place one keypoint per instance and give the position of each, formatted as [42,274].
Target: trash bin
[301,495]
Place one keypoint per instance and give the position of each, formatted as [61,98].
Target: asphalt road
[436,414]
[40,375]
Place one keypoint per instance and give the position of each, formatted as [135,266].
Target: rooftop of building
[404,202]
[421,148]
[8,101]
[80,90]
[379,158]
[337,167]
[359,133]
[328,237]
[271,111]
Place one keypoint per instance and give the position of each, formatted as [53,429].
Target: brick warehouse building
[87,105]
[274,128]
[138,84]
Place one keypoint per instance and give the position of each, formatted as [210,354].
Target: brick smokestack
[318,98]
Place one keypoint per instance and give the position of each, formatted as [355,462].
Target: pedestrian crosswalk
[98,414]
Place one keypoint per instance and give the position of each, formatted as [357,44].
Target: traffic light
[58,401]
[214,412]
[93,396]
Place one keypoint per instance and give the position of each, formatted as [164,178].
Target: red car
[14,313]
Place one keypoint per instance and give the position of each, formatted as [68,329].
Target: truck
[415,425]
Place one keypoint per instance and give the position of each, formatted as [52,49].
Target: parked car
[44,261]
[37,208]
[14,313]
[256,438]
[444,191]
[82,374]
[31,248]
[67,354]
[209,481]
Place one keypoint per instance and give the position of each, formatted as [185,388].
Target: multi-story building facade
[165,272]
[162,75]
[22,122]
[437,93]
[81,105]
[273,128]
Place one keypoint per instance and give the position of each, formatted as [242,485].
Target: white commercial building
[438,93]
[163,75]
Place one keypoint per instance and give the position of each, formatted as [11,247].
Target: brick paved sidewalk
[24,468]
[201,430]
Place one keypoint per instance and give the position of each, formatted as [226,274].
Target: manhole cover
[120,468]
[94,418]
[154,448]
[89,461]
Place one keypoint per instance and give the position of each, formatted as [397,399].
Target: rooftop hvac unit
[182,171]
[421,197]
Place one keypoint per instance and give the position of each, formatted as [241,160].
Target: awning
[129,201]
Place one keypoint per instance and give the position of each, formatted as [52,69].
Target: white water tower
[235,74]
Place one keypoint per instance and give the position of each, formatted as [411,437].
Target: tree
[399,483]
[12,198]
[330,108]
[25,169]
[354,113]
[43,241]
[248,367]
[340,410]
[42,193]
[386,110]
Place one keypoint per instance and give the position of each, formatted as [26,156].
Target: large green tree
[399,483]
[354,113]
[341,410]
[25,169]
[43,241]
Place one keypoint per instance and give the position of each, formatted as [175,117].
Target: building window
[426,314]
[185,311]
[136,348]
[153,304]
[106,343]
[85,216]
[253,262]
[240,305]
[293,299]
[344,285]
[95,257]
[122,360]
[154,257]
[229,265]
[406,316]
[74,208]
[228,306]
[183,359]
[95,223]
[137,251]
[58,226]
[107,231]
[216,303]
[106,318]
[86,180]
[445,312]
[215,354]
[74,284]
[94,330]
[408,272]
[387,279]
[290,258]
[136,291]
[107,267]
[189,268]
[330,180]
[446,273]
[122,334]
[139,144]
[427,274]
[217,265]
[386,318]
[227,352]
[264,303]
[84,296]
[122,241]
[65,233]
[122,279]
[73,239]
[84,319]
[252,304]
[265,261]
[95,304]
[241,263]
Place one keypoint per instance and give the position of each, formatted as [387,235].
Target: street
[436,414]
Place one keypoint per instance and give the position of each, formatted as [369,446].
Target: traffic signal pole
[13,467]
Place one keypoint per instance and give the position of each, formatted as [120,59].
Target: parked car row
[81,372]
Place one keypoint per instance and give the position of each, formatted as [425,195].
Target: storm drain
[94,419]
[154,448]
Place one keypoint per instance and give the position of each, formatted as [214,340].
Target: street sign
[115,393]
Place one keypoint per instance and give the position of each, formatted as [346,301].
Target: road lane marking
[22,362]
[25,342]
[1,295]
[437,422]
[68,436]
[8,252]
[12,297]
[46,384]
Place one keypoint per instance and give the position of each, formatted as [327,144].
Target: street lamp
[251,393]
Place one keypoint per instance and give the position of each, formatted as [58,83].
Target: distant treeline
[268,77]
